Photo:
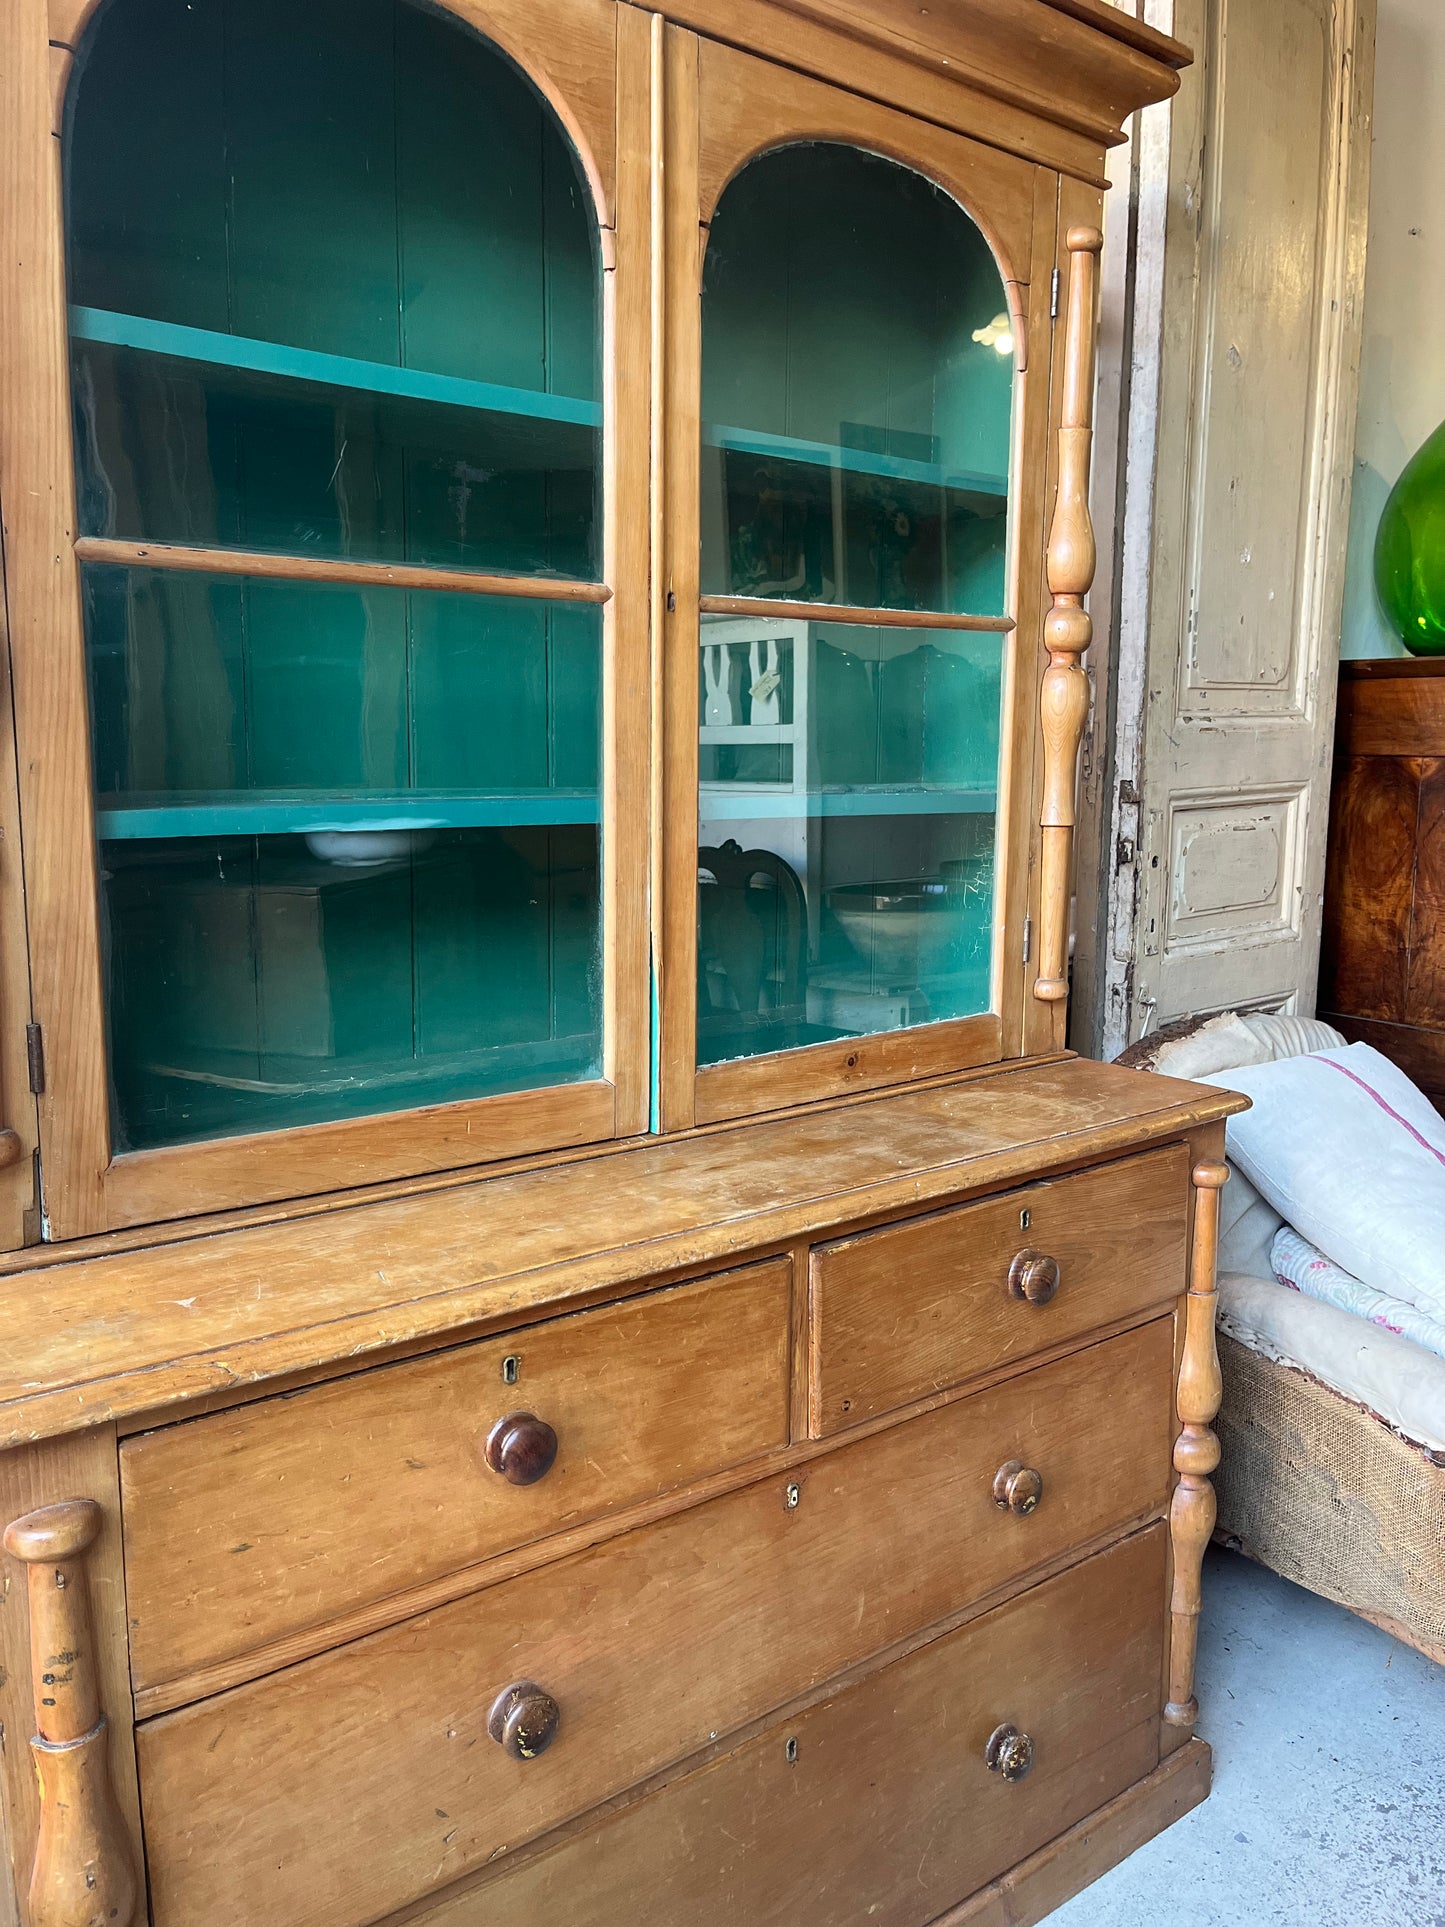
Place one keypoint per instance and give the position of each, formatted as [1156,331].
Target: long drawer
[255,1523]
[899,1313]
[877,1808]
[346,1787]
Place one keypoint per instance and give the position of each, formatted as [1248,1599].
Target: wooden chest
[823,1559]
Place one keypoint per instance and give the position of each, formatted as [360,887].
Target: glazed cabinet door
[326,627]
[856,397]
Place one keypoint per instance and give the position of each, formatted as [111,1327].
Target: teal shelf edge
[852,461]
[732,802]
[331,371]
[268,813]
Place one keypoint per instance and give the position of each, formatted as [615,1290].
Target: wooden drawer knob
[1009,1752]
[1034,1276]
[1017,1488]
[523,1719]
[522,1447]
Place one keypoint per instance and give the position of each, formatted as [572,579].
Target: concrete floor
[1328,1807]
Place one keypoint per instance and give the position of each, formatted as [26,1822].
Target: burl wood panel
[1425,998]
[273,1517]
[1369,887]
[884,1810]
[1395,707]
[899,1313]
[1382,963]
[343,1788]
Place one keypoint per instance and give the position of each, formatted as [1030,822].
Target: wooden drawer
[342,1789]
[883,1813]
[902,1312]
[252,1524]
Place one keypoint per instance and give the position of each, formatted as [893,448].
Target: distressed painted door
[1245,269]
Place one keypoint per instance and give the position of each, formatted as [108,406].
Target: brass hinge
[35,1057]
[1056,281]
[1028,938]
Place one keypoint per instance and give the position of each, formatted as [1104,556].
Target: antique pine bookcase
[575,1345]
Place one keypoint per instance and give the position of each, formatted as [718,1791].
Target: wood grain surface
[258,1522]
[140,1330]
[1370,887]
[1382,961]
[865,1819]
[294,1799]
[901,1312]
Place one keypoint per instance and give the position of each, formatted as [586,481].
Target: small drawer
[257,1523]
[911,1309]
[879,1805]
[348,1786]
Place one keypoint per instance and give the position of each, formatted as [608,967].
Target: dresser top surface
[114,1334]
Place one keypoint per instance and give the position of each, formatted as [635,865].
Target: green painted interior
[856,451]
[857,447]
[335,290]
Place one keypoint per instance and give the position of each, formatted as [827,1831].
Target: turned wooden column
[1196,1450]
[83,1875]
[1068,631]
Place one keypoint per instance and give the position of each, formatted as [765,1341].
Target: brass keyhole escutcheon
[1009,1752]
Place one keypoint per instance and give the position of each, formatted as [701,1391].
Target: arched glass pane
[857,386]
[858,379]
[335,293]
[334,282]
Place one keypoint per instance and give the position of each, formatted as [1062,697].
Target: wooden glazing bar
[1068,630]
[738,605]
[315,568]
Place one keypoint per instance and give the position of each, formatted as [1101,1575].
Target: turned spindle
[1196,1450]
[1068,631]
[82,1874]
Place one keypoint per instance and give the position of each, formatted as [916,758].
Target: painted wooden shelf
[288,813]
[851,461]
[724,802]
[332,371]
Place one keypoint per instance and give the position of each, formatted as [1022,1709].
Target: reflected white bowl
[361,849]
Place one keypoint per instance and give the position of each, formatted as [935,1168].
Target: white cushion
[1247,1221]
[1224,1043]
[1248,1226]
[1350,1153]
[1401,1382]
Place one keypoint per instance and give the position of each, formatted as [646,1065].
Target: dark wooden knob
[1009,1752]
[1017,1488]
[1034,1276]
[523,1719]
[522,1447]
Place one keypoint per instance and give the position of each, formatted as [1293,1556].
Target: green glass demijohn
[1410,551]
